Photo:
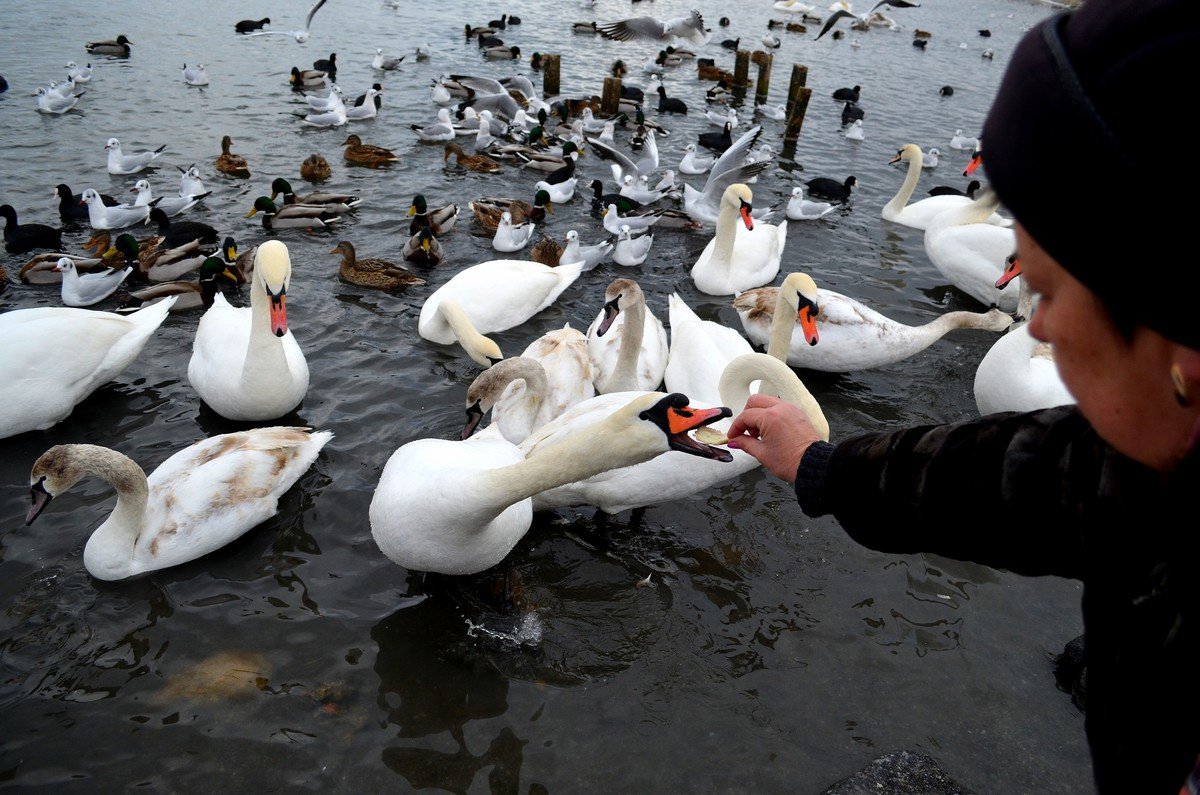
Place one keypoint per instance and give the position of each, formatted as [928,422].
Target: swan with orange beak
[246,365]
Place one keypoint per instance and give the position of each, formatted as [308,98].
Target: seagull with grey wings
[841,10]
[690,27]
[299,35]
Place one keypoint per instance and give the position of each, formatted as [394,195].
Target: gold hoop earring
[1181,389]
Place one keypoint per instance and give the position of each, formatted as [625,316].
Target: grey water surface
[768,652]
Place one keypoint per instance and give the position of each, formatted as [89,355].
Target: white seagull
[690,27]
[195,75]
[300,36]
[121,163]
[88,288]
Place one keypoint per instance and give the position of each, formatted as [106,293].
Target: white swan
[197,501]
[509,238]
[700,350]
[1018,372]
[971,253]
[672,476]
[53,357]
[738,259]
[632,251]
[460,507]
[88,288]
[628,344]
[791,319]
[492,296]
[524,393]
[245,364]
[918,214]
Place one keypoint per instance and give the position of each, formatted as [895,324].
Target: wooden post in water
[611,100]
[764,78]
[796,117]
[741,69]
[550,65]
[799,81]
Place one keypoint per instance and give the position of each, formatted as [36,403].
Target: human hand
[775,432]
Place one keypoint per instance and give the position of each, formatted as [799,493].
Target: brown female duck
[361,154]
[229,163]
[471,162]
[315,169]
[377,273]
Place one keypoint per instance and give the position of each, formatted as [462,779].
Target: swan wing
[209,494]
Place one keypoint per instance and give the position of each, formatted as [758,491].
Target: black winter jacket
[1041,493]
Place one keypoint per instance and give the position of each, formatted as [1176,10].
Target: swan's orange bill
[808,322]
[1012,269]
[279,314]
[746,217]
[976,162]
[688,418]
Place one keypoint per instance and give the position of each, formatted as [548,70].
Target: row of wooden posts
[797,99]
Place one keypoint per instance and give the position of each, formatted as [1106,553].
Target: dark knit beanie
[1074,146]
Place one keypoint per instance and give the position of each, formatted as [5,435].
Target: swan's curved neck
[264,352]
[111,546]
[783,321]
[464,330]
[624,377]
[907,187]
[526,413]
[727,220]
[577,457]
[777,379]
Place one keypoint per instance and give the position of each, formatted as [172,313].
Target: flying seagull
[300,35]
[841,10]
[690,27]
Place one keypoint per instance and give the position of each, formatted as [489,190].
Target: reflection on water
[727,629]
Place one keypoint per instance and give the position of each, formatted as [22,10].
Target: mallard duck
[473,162]
[361,154]
[333,202]
[439,220]
[119,48]
[423,248]
[291,215]
[163,265]
[559,167]
[189,295]
[377,273]
[306,78]
[547,251]
[229,163]
[489,209]
[315,169]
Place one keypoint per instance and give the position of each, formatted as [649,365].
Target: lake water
[769,652]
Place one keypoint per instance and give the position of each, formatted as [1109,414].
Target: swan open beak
[278,311]
[745,213]
[682,420]
[1012,269]
[41,498]
[895,159]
